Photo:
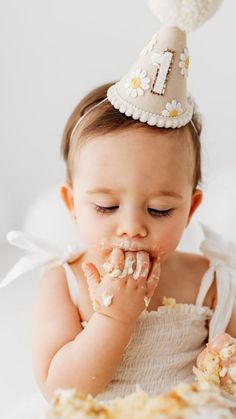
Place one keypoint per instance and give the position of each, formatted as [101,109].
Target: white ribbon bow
[222,254]
[40,254]
[218,251]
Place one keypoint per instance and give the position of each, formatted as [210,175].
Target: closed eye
[105,209]
[161,213]
[155,212]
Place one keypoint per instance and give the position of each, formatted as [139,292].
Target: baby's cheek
[88,231]
[169,239]
[98,246]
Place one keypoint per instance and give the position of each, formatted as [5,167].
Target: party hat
[155,89]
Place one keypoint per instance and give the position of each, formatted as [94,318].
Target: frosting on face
[129,245]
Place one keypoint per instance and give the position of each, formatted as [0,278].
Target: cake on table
[184,401]
[217,364]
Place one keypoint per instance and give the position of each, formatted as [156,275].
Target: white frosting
[106,300]
[128,268]
[144,273]
[223,372]
[137,273]
[107,266]
[232,372]
[65,395]
[228,352]
[116,273]
[147,301]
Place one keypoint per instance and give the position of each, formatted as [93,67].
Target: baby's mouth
[152,257]
[106,246]
[129,246]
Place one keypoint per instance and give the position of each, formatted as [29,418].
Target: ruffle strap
[222,257]
[221,253]
[41,254]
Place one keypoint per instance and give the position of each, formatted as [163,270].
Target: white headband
[85,114]
[102,101]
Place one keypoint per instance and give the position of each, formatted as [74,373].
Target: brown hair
[105,119]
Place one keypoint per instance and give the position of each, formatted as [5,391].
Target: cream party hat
[154,91]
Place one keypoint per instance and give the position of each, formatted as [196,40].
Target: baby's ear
[197,197]
[66,194]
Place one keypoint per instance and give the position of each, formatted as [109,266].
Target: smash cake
[183,401]
[216,365]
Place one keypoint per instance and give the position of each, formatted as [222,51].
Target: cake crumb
[168,301]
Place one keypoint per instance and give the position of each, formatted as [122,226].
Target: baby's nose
[131,226]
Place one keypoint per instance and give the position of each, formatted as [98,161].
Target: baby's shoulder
[191,269]
[196,263]
[53,295]
[192,265]
[55,274]
[53,284]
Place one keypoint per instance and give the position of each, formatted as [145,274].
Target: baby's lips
[105,245]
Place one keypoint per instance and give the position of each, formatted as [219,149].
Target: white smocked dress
[165,343]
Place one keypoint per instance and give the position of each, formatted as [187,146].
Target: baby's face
[143,180]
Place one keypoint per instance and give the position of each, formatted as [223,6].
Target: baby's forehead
[146,152]
[144,135]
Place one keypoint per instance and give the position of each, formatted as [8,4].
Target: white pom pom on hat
[187,15]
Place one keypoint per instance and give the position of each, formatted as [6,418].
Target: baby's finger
[93,280]
[154,276]
[142,266]
[115,264]
[129,266]
[92,275]
[201,359]
[220,341]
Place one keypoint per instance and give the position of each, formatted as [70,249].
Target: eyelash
[158,213]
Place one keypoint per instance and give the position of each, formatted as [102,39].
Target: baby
[130,308]
[99,321]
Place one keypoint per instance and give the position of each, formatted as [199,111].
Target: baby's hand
[127,286]
[217,363]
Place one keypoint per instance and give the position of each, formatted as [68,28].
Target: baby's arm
[64,354]
[67,356]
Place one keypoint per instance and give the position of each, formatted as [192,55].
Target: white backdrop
[54,51]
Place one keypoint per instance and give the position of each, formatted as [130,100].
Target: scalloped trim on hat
[152,119]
